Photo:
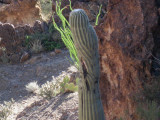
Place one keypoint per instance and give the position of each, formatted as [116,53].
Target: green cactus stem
[86,43]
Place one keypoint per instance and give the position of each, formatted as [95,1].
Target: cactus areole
[86,43]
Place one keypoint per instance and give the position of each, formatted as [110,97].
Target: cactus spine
[86,43]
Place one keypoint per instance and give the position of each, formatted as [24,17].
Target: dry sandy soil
[40,68]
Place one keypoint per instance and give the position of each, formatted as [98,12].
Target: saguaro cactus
[86,43]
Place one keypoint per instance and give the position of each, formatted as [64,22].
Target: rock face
[19,12]
[13,38]
[126,43]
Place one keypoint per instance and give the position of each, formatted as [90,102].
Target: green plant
[151,91]
[148,111]
[96,23]
[65,32]
[4,57]
[121,118]
[6,109]
[67,86]
[148,100]
[27,41]
[36,42]
[30,39]
[86,42]
[51,45]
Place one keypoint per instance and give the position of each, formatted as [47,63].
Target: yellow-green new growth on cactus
[86,43]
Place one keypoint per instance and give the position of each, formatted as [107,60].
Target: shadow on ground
[40,68]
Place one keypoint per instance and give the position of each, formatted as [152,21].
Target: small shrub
[51,45]
[148,100]
[6,109]
[38,41]
[36,46]
[4,58]
[33,87]
[151,91]
[53,88]
[49,89]
[67,86]
[148,111]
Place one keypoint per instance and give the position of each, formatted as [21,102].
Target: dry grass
[37,46]
[32,87]
[6,109]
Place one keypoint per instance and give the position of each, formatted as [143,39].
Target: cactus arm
[86,43]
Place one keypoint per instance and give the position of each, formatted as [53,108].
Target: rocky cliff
[125,42]
[19,12]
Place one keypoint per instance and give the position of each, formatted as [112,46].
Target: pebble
[57,51]
[25,56]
